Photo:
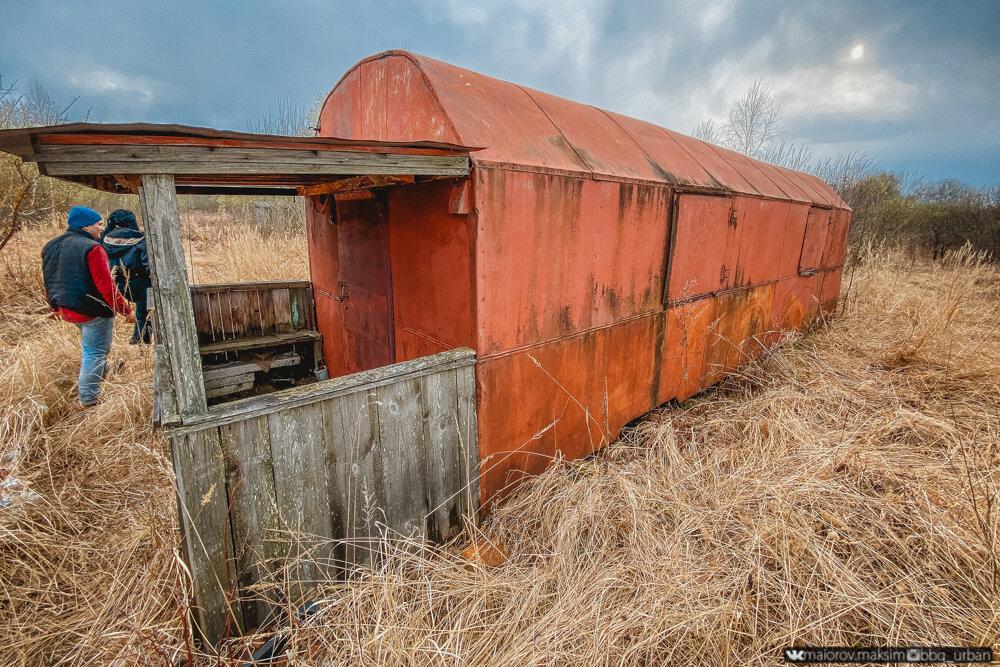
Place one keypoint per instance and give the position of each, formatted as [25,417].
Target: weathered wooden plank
[233,368]
[164,403]
[229,381]
[310,307]
[90,153]
[445,473]
[239,309]
[216,392]
[207,541]
[300,453]
[205,288]
[355,183]
[282,311]
[246,446]
[444,166]
[123,159]
[173,297]
[257,342]
[320,391]
[254,320]
[403,444]
[266,298]
[297,309]
[358,495]
[468,429]
[202,316]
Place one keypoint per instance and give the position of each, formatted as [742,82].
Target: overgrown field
[843,490]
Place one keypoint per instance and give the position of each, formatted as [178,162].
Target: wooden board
[59,160]
[207,544]
[257,546]
[302,457]
[174,312]
[257,342]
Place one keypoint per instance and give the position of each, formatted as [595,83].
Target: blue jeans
[95,343]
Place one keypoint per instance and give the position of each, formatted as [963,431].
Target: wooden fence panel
[207,542]
[253,511]
[310,480]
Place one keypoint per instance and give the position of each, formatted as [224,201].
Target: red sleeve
[97,262]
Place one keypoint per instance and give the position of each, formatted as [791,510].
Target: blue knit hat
[81,216]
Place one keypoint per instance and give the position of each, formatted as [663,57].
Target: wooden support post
[172,296]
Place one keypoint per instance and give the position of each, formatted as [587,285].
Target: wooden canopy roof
[111,157]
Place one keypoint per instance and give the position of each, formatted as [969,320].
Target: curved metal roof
[401,96]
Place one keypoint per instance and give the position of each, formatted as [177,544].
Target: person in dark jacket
[80,290]
[126,247]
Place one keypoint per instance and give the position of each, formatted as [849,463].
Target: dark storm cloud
[923,95]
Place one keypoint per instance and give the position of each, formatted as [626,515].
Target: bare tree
[753,122]
[708,131]
[24,195]
[284,116]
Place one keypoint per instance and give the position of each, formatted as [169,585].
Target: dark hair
[122,218]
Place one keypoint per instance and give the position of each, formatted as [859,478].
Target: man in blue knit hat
[79,289]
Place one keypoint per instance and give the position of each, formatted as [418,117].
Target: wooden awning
[208,161]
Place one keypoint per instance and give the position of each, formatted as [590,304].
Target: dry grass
[842,491]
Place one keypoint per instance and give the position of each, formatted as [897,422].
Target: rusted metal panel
[759,303]
[791,187]
[793,306]
[715,164]
[825,194]
[367,103]
[705,247]
[751,173]
[349,264]
[791,239]
[682,364]
[814,242]
[669,159]
[563,398]
[430,266]
[812,196]
[830,290]
[761,225]
[599,141]
[499,116]
[558,255]
[410,344]
[836,239]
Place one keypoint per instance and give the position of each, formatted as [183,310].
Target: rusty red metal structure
[598,264]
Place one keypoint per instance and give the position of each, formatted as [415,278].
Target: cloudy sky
[916,83]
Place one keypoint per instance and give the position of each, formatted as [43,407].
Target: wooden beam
[227,413]
[257,342]
[356,183]
[171,294]
[128,183]
[59,160]
[354,195]
[206,288]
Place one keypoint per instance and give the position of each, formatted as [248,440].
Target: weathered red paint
[598,264]
[705,248]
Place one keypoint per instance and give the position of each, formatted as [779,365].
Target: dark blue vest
[68,282]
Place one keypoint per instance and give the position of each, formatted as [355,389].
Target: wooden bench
[237,322]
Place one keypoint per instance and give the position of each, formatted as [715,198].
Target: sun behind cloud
[857,52]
